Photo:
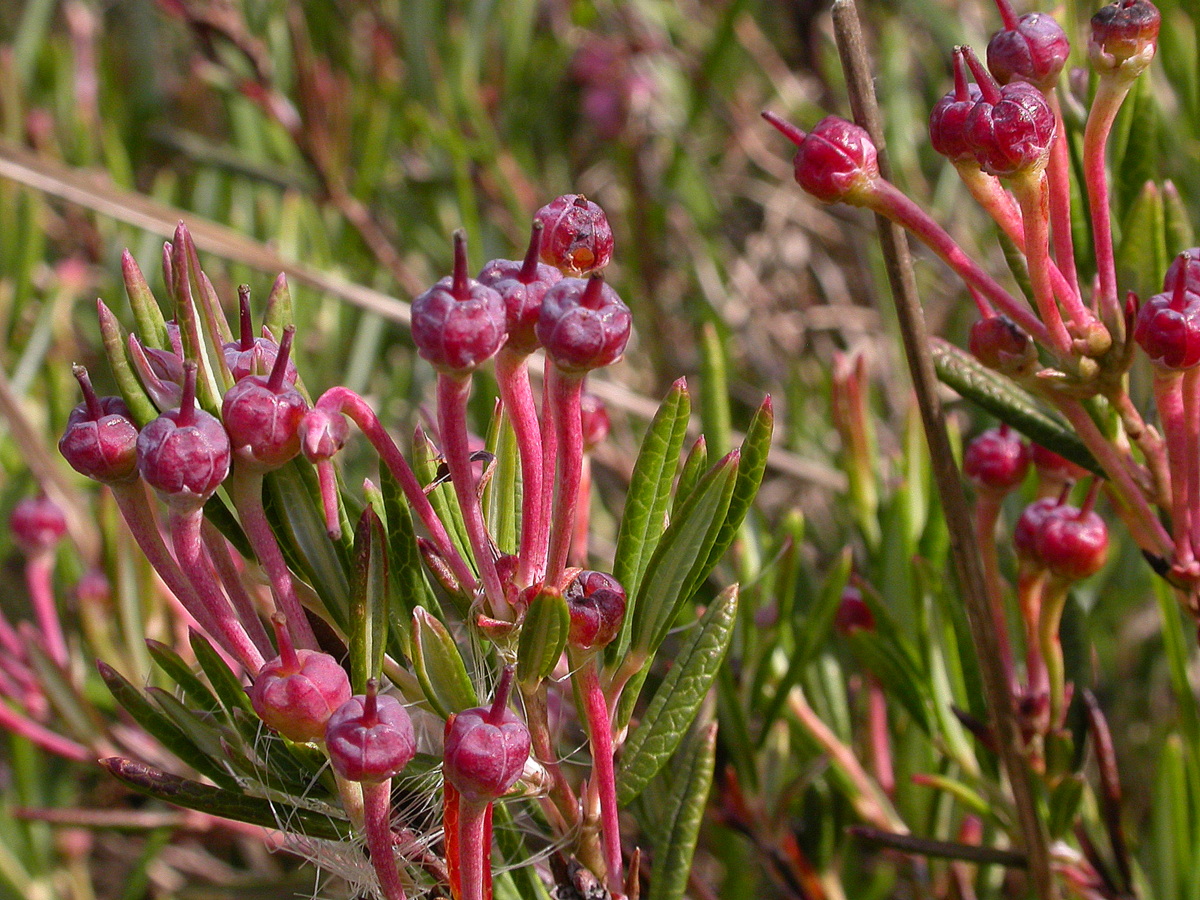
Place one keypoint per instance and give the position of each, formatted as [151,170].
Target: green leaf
[1009,403]
[686,543]
[684,811]
[543,636]
[429,467]
[502,495]
[179,672]
[677,699]
[368,601]
[146,312]
[279,313]
[409,587]
[1178,221]
[141,408]
[204,734]
[71,708]
[1138,162]
[225,683]
[439,666]
[900,676]
[1065,801]
[1016,265]
[223,803]
[1141,255]
[694,466]
[646,502]
[160,727]
[292,500]
[714,394]
[751,467]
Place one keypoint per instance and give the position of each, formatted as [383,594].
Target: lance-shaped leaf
[185,270]
[674,705]
[684,811]
[1141,257]
[207,738]
[146,312]
[439,666]
[714,387]
[646,502]
[113,335]
[181,673]
[279,313]
[694,466]
[292,500]
[1009,403]
[223,803]
[160,727]
[543,637]
[71,708]
[1177,219]
[687,542]
[226,685]
[406,575]
[432,471]
[368,601]
[753,464]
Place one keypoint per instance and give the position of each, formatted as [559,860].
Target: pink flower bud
[262,415]
[853,614]
[1031,48]
[836,161]
[596,602]
[1000,344]
[1124,37]
[583,325]
[997,459]
[1168,324]
[252,355]
[100,440]
[1012,127]
[322,434]
[522,284]
[948,118]
[458,323]
[37,524]
[1073,543]
[370,737]
[297,692]
[486,747]
[577,239]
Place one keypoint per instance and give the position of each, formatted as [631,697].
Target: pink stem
[189,549]
[377,810]
[8,638]
[344,400]
[10,720]
[565,391]
[327,479]
[604,777]
[1191,409]
[139,517]
[512,373]
[452,396]
[245,488]
[881,742]
[1035,217]
[1168,397]
[1110,93]
[583,515]
[887,200]
[38,570]
[1058,173]
[475,848]
[231,579]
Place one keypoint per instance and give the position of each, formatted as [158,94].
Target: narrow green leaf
[694,466]
[1065,800]
[429,466]
[714,393]
[205,735]
[279,313]
[72,709]
[677,699]
[1178,221]
[368,601]
[1139,160]
[225,683]
[687,541]
[643,520]
[895,669]
[216,512]
[439,666]
[502,496]
[409,587]
[1016,265]
[1008,403]
[152,327]
[179,672]
[543,636]
[132,392]
[223,803]
[751,468]
[680,823]
[160,727]
[1140,255]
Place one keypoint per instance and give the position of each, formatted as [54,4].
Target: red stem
[1035,217]
[881,742]
[512,373]
[11,720]
[243,603]
[452,393]
[245,488]
[1058,173]
[38,570]
[1191,410]
[343,400]
[529,265]
[887,200]
[377,810]
[583,515]
[279,370]
[95,410]
[189,549]
[599,727]
[565,391]
[474,849]
[1168,397]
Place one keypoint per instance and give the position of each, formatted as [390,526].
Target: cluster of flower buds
[1002,127]
[204,411]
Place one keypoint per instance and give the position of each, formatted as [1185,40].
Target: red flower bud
[853,614]
[522,284]
[595,421]
[262,415]
[298,691]
[1012,127]
[836,161]
[458,323]
[1168,324]
[1186,266]
[1073,543]
[1033,48]
[596,602]
[1124,37]
[577,240]
[1000,344]
[486,747]
[948,118]
[370,737]
[100,440]
[583,325]
[997,459]
[322,434]
[250,355]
